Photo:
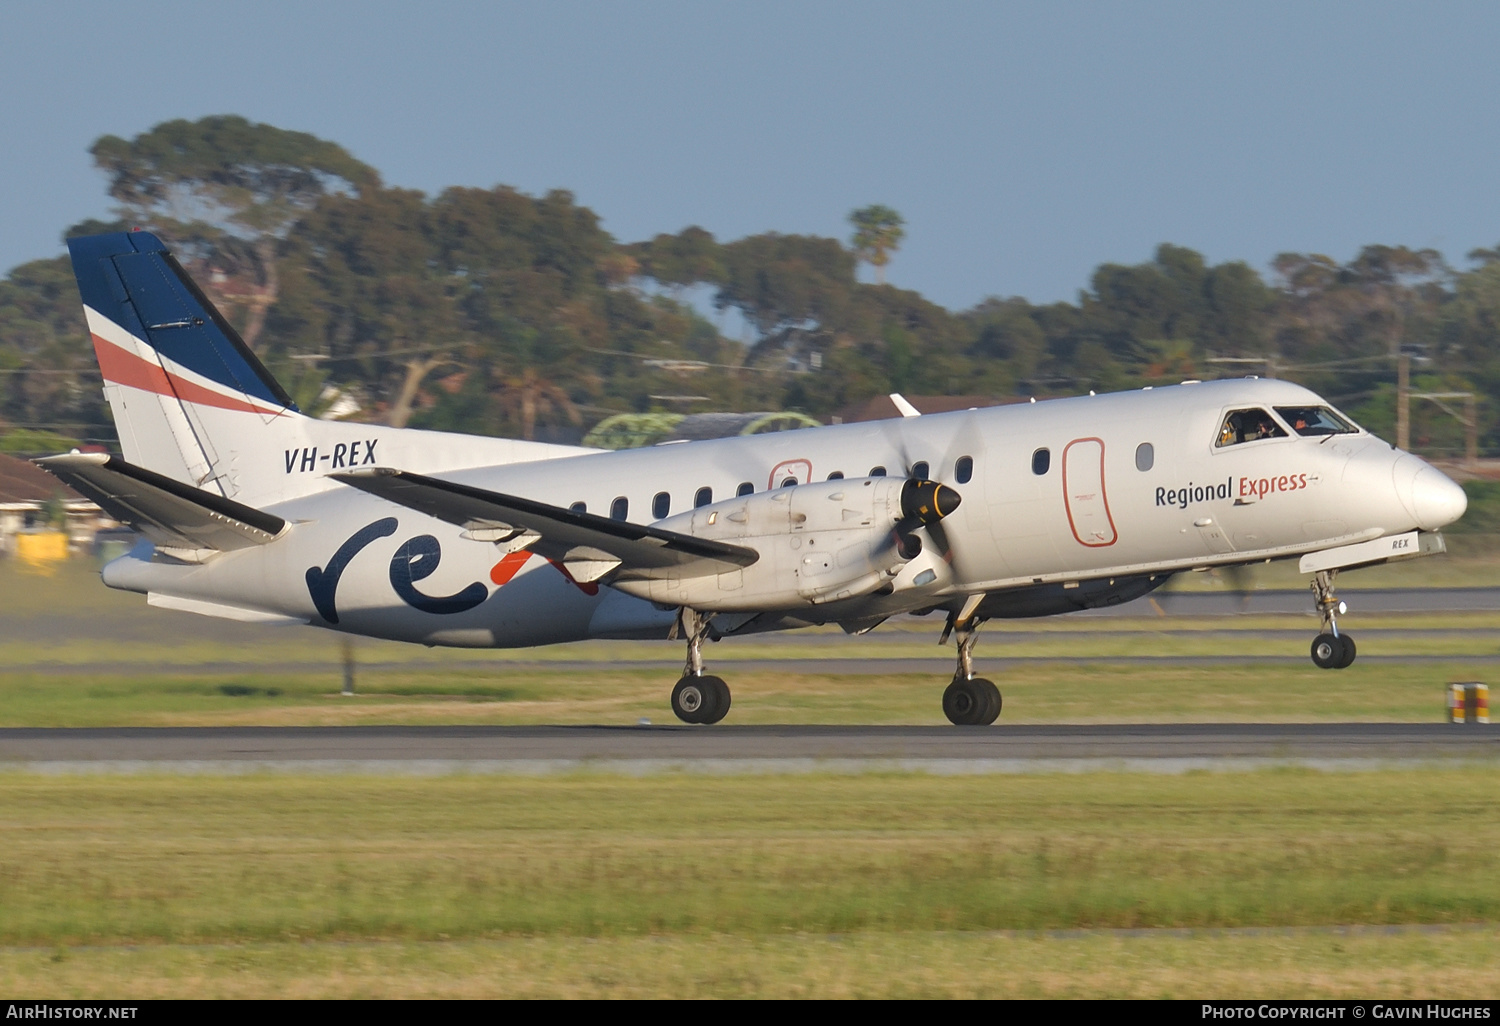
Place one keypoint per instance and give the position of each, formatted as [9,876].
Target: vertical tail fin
[192,403]
[168,357]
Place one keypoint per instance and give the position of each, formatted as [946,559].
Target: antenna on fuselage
[906,409]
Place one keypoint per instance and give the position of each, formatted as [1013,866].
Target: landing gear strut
[969,701]
[1331,650]
[697,697]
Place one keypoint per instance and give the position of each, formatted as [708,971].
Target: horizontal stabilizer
[171,514]
[559,534]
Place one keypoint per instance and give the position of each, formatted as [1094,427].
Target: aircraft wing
[589,545]
[171,514]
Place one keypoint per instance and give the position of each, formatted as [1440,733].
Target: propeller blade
[1241,581]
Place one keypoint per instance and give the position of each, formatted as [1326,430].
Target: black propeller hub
[927,502]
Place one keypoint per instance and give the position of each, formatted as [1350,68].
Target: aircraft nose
[1436,499]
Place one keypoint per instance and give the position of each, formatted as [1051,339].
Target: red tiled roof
[24,481]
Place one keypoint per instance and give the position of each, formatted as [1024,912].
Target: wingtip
[73,459]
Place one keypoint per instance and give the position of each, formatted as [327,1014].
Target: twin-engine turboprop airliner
[252,511]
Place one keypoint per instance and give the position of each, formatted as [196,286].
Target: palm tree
[878,233]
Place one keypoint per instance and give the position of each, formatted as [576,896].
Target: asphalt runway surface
[727,748]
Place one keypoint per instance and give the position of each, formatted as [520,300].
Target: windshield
[1315,420]
[1247,426]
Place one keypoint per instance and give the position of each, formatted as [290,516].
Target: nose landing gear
[969,701]
[697,697]
[1331,650]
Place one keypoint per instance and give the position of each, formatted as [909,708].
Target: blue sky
[1024,143]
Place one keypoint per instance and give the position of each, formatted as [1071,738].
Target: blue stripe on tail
[132,279]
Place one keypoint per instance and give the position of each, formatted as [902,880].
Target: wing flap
[171,514]
[643,552]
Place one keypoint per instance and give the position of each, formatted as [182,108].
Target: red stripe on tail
[121,367]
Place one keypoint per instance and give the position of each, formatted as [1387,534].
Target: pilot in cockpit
[1248,426]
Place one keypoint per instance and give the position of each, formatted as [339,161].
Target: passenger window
[619,509]
[1315,420]
[877,472]
[920,470]
[1250,425]
[661,505]
[703,498]
[1041,461]
[837,475]
[745,488]
[579,507]
[963,470]
[1145,457]
[790,482]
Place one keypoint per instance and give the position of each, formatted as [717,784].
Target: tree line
[493,311]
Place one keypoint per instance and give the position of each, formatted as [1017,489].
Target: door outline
[1114,534]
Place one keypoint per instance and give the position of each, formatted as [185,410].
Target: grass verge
[1041,692]
[198,860]
[1359,965]
[874,886]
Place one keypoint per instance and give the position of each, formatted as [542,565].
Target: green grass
[99,860]
[1358,965]
[811,886]
[1053,692]
[865,886]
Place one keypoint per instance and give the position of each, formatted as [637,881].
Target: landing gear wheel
[1328,652]
[700,699]
[722,698]
[971,702]
[1347,657]
[992,700]
[1332,649]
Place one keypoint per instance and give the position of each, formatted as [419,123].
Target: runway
[749,749]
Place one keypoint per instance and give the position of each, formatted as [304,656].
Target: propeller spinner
[927,502]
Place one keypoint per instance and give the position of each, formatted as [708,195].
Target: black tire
[718,708]
[691,700]
[1347,657]
[1327,650]
[965,702]
[992,700]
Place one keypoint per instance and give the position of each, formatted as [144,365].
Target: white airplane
[252,511]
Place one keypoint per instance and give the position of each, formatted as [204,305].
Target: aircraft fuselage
[1114,491]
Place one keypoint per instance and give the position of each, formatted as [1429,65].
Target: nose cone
[1436,499]
[927,501]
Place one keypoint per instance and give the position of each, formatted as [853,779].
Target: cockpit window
[1248,426]
[1315,420]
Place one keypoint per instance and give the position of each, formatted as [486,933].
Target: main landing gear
[969,701]
[697,697]
[1330,649]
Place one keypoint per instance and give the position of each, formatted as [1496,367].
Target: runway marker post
[1468,702]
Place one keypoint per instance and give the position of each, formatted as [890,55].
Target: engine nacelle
[817,543]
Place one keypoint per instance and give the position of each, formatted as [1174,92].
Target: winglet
[906,408]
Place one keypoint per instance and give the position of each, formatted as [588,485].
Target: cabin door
[1084,498]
